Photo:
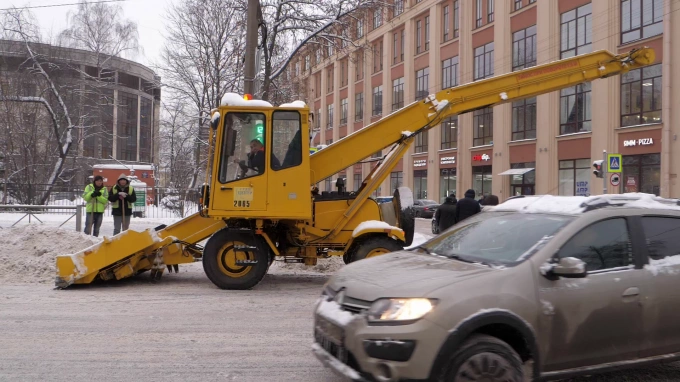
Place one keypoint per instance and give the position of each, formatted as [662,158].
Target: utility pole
[251,47]
[604,169]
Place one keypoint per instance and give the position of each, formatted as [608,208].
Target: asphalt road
[181,329]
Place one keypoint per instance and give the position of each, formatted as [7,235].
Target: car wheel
[235,260]
[435,227]
[374,246]
[484,358]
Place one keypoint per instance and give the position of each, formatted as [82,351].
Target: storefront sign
[638,142]
[420,163]
[582,189]
[447,160]
[479,158]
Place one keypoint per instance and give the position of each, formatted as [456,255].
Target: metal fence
[151,203]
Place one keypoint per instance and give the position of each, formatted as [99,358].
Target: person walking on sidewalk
[121,196]
[96,196]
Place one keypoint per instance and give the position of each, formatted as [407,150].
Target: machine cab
[260,165]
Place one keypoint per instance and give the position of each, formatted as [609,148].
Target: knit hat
[123,176]
[97,177]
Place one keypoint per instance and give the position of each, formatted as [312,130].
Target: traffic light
[599,170]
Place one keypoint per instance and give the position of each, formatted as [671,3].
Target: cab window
[242,146]
[286,140]
[601,246]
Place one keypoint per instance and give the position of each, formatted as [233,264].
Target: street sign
[614,163]
[615,179]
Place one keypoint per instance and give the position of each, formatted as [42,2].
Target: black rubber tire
[212,254]
[435,227]
[484,358]
[371,243]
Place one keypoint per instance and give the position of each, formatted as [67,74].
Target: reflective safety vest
[97,204]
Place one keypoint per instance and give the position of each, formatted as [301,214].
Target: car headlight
[400,309]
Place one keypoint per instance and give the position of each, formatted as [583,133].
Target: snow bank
[372,224]
[418,239]
[323,266]
[299,104]
[233,99]
[668,265]
[29,252]
[577,204]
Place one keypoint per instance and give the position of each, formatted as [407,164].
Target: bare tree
[202,60]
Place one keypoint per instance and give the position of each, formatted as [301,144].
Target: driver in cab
[255,160]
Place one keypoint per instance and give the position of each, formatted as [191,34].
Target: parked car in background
[425,208]
[554,287]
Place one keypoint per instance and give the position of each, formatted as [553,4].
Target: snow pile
[332,311]
[668,265]
[372,224]
[28,252]
[233,99]
[299,104]
[442,104]
[418,239]
[504,96]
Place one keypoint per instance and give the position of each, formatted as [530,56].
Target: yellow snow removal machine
[260,201]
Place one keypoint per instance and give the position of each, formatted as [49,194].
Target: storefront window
[420,184]
[575,177]
[447,183]
[481,176]
[523,184]
[642,173]
[396,180]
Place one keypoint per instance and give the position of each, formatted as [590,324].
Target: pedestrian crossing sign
[614,163]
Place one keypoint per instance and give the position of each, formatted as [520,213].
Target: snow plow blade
[131,252]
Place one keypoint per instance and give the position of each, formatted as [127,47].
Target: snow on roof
[215,117]
[299,104]
[233,99]
[123,167]
[571,205]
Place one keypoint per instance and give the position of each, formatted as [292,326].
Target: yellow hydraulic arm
[423,115]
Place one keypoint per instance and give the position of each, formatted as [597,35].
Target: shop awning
[516,171]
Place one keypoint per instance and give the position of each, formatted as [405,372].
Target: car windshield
[428,202]
[499,238]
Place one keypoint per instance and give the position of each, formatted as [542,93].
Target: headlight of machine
[400,309]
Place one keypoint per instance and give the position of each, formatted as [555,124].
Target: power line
[63,5]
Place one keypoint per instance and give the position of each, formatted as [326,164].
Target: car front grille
[355,306]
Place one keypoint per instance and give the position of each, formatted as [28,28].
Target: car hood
[402,274]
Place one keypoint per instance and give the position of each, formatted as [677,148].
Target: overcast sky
[148,14]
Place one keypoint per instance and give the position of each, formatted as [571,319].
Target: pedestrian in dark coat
[446,214]
[467,206]
[122,197]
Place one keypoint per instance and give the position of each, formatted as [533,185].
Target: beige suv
[536,288]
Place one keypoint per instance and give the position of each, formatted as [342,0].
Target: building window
[456,20]
[329,80]
[358,106]
[317,119]
[576,31]
[447,183]
[524,184]
[478,14]
[328,184]
[308,64]
[481,180]
[377,57]
[524,48]
[518,4]
[445,21]
[419,30]
[450,73]
[403,44]
[422,82]
[398,93]
[574,176]
[484,61]
[642,173]
[359,64]
[343,111]
[329,115]
[395,45]
[421,142]
[297,69]
[377,100]
[489,11]
[357,181]
[377,18]
[641,96]
[641,19]
[398,7]
[420,184]
[524,119]
[483,127]
[449,133]
[575,113]
[427,33]
[396,180]
[360,28]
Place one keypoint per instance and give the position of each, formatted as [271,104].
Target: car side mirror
[569,267]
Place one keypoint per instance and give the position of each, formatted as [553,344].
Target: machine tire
[373,246]
[484,358]
[403,209]
[219,255]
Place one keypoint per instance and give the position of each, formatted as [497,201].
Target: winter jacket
[95,203]
[115,200]
[467,206]
[446,215]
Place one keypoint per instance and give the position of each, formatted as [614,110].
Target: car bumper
[408,350]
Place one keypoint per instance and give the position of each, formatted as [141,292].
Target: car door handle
[633,291]
[225,188]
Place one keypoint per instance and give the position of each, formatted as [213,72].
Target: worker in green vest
[96,197]
[122,197]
